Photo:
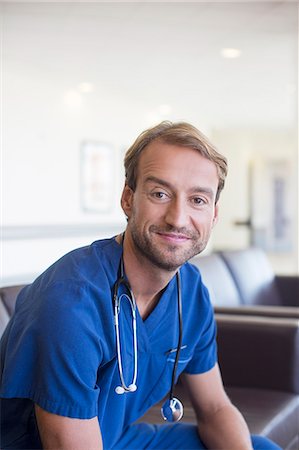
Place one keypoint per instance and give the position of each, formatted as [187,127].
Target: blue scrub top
[59,349]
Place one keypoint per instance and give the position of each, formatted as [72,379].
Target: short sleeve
[205,353]
[57,353]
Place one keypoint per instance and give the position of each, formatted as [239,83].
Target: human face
[172,210]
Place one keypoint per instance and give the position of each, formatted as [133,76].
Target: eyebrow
[203,190]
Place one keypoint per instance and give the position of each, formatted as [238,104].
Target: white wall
[144,63]
[257,149]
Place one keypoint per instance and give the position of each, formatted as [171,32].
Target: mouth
[174,238]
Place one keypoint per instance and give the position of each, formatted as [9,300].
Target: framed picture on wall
[97,170]
[272,205]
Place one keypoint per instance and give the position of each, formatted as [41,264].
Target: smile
[173,237]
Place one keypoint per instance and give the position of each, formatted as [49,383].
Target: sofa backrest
[217,278]
[8,296]
[253,276]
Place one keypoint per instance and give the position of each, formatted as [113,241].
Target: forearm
[225,429]
[63,433]
[65,441]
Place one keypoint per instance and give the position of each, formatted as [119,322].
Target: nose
[176,214]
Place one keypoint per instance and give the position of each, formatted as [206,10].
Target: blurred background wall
[80,81]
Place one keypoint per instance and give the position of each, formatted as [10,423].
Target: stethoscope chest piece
[172,410]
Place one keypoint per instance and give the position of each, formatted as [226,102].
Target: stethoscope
[172,410]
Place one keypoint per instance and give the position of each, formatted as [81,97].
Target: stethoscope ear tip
[119,390]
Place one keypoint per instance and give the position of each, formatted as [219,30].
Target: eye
[159,195]
[198,201]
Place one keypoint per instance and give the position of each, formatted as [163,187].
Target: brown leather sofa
[258,341]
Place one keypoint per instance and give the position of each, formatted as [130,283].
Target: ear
[127,200]
[216,214]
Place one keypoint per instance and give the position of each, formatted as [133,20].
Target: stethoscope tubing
[179,346]
[117,300]
[172,409]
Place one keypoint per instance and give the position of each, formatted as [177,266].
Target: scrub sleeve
[58,355]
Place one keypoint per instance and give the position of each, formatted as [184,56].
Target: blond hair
[182,134]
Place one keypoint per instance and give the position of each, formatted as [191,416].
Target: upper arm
[60,353]
[206,391]
[59,432]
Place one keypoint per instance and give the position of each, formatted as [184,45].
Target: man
[65,360]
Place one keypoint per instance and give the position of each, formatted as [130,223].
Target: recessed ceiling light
[86,88]
[230,53]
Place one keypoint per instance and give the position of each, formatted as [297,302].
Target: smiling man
[172,208]
[104,333]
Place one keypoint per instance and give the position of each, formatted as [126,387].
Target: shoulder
[191,276]
[199,320]
[193,288]
[75,288]
[191,269]
[89,264]
[99,254]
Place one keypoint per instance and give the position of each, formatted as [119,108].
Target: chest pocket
[156,382]
[184,359]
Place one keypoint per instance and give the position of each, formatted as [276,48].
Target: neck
[146,280]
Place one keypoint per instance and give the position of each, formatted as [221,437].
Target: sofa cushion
[4,317]
[8,295]
[258,351]
[288,287]
[273,414]
[217,278]
[253,275]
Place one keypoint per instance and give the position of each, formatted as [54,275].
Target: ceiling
[153,54]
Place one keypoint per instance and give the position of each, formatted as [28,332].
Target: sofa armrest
[4,317]
[259,310]
[259,352]
[9,295]
[288,287]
